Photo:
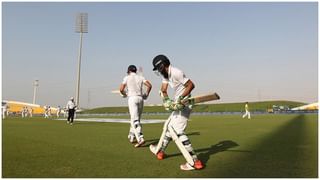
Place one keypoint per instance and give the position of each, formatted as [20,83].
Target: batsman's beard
[164,73]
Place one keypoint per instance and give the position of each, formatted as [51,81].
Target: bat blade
[202,98]
[115,91]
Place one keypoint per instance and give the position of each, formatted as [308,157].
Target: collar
[169,71]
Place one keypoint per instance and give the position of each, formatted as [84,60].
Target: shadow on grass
[219,147]
[205,153]
[155,141]
[283,153]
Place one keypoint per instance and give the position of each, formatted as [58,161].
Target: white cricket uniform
[176,80]
[4,111]
[31,112]
[58,111]
[134,84]
[178,119]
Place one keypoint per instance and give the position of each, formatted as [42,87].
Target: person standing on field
[4,111]
[46,111]
[175,126]
[58,111]
[71,107]
[134,84]
[246,107]
[24,111]
[49,111]
[30,111]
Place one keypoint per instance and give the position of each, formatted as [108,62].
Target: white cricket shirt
[176,80]
[70,105]
[134,84]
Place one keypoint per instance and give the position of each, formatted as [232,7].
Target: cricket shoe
[187,167]
[160,155]
[132,140]
[139,143]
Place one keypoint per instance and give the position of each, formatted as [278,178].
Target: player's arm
[164,89]
[149,86]
[122,90]
[189,86]
[167,102]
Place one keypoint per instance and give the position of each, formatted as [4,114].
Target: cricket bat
[118,92]
[115,91]
[201,98]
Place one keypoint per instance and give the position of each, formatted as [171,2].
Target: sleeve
[143,79]
[165,81]
[124,81]
[181,77]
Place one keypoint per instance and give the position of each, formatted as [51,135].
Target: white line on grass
[143,121]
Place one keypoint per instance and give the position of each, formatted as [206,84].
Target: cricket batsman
[134,84]
[174,127]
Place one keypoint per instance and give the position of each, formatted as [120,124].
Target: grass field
[265,146]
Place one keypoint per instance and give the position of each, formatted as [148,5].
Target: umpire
[71,107]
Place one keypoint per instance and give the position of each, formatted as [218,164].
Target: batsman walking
[174,127]
[134,84]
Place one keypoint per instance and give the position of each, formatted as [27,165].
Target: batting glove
[124,96]
[179,106]
[167,103]
[145,96]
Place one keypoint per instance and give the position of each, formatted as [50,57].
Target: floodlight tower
[81,27]
[35,86]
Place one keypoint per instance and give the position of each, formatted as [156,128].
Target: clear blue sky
[243,51]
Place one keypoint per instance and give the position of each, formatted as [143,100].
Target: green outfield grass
[265,146]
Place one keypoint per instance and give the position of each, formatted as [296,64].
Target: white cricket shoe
[153,149]
[186,167]
[132,139]
[139,143]
[197,165]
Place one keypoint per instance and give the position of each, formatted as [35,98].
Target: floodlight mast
[81,27]
[35,86]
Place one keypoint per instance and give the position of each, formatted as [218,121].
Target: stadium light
[35,86]
[81,27]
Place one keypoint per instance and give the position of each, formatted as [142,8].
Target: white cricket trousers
[178,122]
[247,114]
[135,104]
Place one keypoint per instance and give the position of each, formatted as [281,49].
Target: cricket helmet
[132,68]
[160,61]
